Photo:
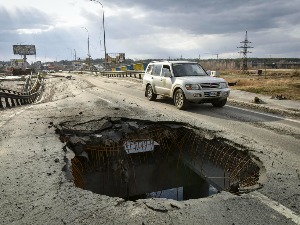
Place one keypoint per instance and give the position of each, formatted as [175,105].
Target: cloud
[21,19]
[152,29]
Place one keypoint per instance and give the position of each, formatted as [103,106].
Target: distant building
[19,63]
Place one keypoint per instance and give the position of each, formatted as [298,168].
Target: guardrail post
[36,96]
[6,102]
[18,101]
[12,102]
[1,105]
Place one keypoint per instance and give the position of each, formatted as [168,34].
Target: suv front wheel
[179,99]
[149,93]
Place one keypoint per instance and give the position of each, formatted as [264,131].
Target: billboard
[24,49]
[115,57]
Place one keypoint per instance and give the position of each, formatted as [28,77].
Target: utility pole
[105,54]
[88,45]
[244,51]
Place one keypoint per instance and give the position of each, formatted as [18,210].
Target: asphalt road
[35,190]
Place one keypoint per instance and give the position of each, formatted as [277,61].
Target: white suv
[185,82]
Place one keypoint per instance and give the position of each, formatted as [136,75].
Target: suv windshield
[188,69]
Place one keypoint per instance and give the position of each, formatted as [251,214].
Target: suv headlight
[223,85]
[192,87]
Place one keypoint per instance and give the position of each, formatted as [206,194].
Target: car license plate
[213,93]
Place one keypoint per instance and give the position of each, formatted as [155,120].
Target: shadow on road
[227,112]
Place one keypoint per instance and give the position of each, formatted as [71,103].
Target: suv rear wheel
[149,93]
[179,99]
[219,104]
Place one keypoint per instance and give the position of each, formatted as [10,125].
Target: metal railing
[10,98]
[127,73]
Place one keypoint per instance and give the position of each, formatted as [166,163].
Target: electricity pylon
[245,51]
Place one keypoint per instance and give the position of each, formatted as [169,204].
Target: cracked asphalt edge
[264,108]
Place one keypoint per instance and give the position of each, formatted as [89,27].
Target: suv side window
[166,71]
[149,69]
[156,69]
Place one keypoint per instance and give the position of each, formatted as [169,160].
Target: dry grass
[274,82]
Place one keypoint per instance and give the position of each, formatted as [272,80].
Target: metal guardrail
[127,73]
[10,98]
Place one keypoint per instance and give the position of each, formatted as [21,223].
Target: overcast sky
[145,29]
